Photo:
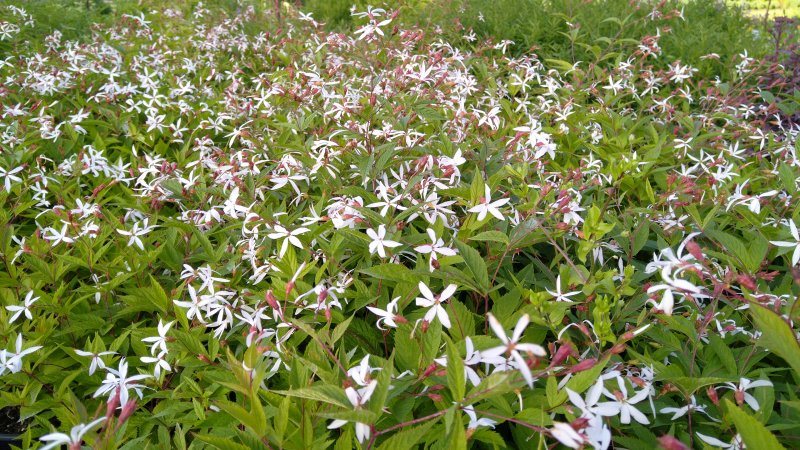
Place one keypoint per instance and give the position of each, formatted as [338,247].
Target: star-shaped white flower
[379,241]
[358,398]
[435,248]
[511,347]
[289,237]
[434,303]
[487,206]
[24,309]
[388,316]
[561,296]
[795,244]
[73,440]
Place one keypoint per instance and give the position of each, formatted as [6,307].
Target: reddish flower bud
[112,405]
[739,396]
[435,397]
[271,300]
[586,364]
[127,411]
[746,282]
[618,348]
[694,250]
[580,423]
[712,395]
[668,442]
[561,355]
[289,288]
[429,370]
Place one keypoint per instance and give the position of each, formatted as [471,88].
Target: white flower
[159,342]
[12,361]
[735,444]
[474,422]
[741,394]
[379,241]
[194,306]
[139,229]
[473,357]
[73,440]
[58,237]
[436,247]
[361,373]
[560,296]
[567,435]
[24,309]
[120,379]
[159,361]
[486,206]
[9,177]
[627,410]
[387,316]
[680,412]
[434,302]
[97,361]
[357,398]
[590,408]
[288,237]
[795,244]
[512,347]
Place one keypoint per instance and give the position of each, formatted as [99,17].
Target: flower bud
[738,395]
[435,397]
[113,404]
[712,395]
[127,411]
[586,364]
[272,301]
[561,355]
[668,442]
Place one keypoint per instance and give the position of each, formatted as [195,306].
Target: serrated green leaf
[777,336]
[754,433]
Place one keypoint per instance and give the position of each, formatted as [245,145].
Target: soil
[9,421]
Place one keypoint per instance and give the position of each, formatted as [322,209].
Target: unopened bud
[739,396]
[586,364]
[271,300]
[435,397]
[746,282]
[289,288]
[127,411]
[712,395]
[561,355]
[429,370]
[668,442]
[113,404]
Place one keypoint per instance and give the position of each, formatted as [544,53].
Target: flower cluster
[243,229]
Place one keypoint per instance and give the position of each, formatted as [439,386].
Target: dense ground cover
[221,230]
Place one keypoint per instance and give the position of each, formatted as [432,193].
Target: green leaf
[751,257]
[754,433]
[777,336]
[475,265]
[391,272]
[326,394]
[281,420]
[455,371]
[222,443]
[408,438]
[723,352]
[491,236]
